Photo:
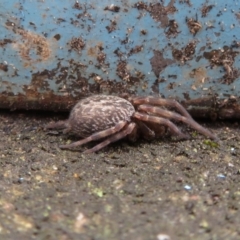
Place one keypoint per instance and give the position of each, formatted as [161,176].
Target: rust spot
[225,58]
[46,101]
[141,6]
[158,62]
[193,25]
[77,44]
[3,67]
[188,2]
[57,37]
[101,57]
[157,11]
[60,20]
[172,29]
[122,71]
[200,76]
[143,32]
[112,8]
[237,15]
[186,53]
[5,42]
[155,86]
[118,52]
[135,50]
[30,43]
[171,85]
[213,108]
[112,26]
[94,48]
[77,5]
[206,9]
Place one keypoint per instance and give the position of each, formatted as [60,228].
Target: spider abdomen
[97,113]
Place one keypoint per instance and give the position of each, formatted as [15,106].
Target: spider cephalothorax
[112,118]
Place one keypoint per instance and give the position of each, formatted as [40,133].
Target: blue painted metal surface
[55,52]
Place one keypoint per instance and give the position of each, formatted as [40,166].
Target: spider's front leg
[156,101]
[152,105]
[175,116]
[161,121]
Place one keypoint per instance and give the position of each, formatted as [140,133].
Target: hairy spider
[112,118]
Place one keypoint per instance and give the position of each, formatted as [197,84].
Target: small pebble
[221,176]
[163,237]
[187,187]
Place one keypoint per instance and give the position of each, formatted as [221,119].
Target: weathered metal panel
[55,52]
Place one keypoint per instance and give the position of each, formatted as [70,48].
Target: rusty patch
[77,44]
[214,108]
[77,5]
[186,53]
[194,25]
[5,42]
[200,76]
[31,43]
[237,15]
[155,86]
[206,9]
[225,58]
[143,32]
[57,37]
[210,107]
[46,101]
[72,84]
[3,67]
[188,2]
[172,29]
[112,8]
[101,58]
[135,50]
[158,62]
[112,26]
[157,11]
[122,71]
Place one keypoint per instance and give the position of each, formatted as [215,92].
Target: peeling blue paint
[71,49]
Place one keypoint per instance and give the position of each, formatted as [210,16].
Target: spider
[112,118]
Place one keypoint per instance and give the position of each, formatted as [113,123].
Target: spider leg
[161,102]
[96,136]
[178,117]
[113,138]
[57,125]
[147,132]
[159,120]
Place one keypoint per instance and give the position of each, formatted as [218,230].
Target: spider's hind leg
[96,136]
[115,137]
